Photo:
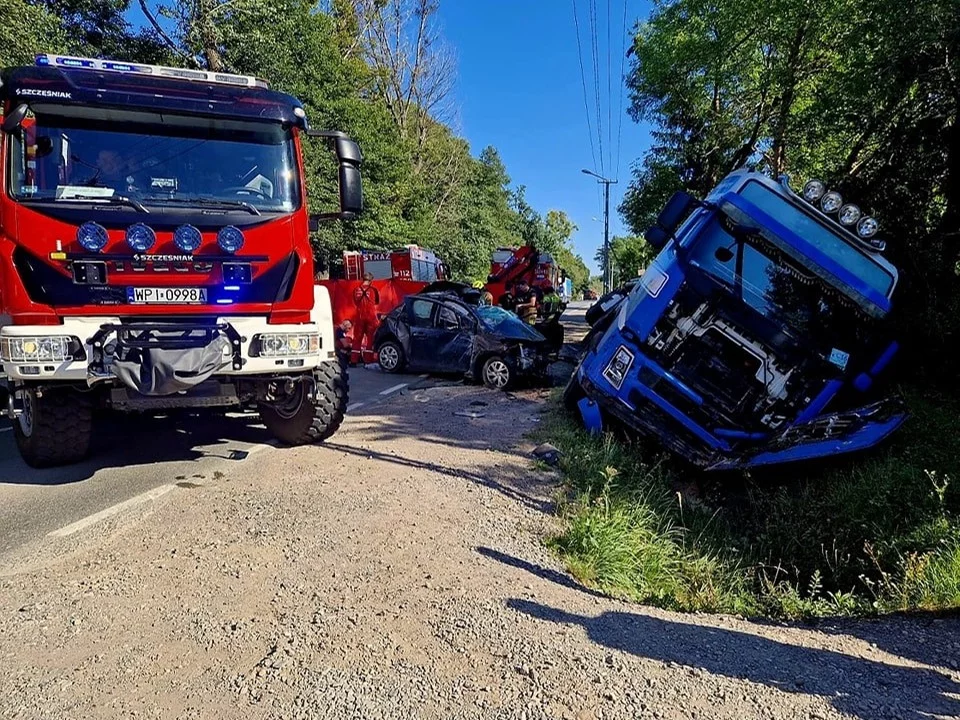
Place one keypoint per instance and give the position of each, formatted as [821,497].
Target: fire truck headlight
[831,202]
[44,348]
[813,190]
[849,215]
[286,344]
[868,227]
[140,237]
[230,239]
[92,237]
[187,238]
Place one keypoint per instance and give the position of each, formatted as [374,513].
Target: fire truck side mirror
[351,184]
[13,119]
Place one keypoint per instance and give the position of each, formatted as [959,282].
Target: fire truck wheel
[54,428]
[390,357]
[301,422]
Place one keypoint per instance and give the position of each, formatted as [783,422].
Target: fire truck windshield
[69,155]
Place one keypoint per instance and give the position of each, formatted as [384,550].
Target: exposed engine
[744,382]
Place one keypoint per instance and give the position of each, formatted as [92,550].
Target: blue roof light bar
[67,61]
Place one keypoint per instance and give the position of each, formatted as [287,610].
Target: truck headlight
[618,367]
[286,344]
[44,348]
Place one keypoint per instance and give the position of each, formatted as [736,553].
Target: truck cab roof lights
[849,215]
[78,63]
[831,202]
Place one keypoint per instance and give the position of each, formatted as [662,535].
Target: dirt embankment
[398,572]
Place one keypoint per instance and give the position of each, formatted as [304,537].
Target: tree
[861,93]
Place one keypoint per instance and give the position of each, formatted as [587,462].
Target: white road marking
[6,429]
[354,406]
[395,388]
[111,511]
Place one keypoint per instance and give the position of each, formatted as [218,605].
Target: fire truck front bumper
[101,349]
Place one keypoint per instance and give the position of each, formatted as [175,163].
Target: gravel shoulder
[397,571]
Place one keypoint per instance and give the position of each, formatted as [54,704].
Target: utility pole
[607,267]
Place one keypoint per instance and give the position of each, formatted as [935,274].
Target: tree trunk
[778,152]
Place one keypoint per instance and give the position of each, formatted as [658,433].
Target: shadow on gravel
[866,689]
[546,573]
[516,494]
[930,638]
[131,441]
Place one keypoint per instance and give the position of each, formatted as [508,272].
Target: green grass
[875,534]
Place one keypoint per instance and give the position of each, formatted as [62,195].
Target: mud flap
[165,371]
[827,435]
[590,412]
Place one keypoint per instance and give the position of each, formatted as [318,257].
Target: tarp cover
[163,371]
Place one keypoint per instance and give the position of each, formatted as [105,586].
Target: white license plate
[167,295]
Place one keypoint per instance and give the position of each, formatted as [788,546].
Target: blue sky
[520,90]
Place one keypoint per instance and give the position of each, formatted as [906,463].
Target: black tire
[390,357]
[496,373]
[303,422]
[54,428]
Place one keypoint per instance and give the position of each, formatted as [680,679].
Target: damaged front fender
[827,435]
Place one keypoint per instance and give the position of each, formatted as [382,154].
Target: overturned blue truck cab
[756,336]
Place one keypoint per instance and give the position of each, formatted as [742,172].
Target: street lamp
[607,277]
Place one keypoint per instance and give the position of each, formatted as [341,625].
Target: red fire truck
[509,266]
[396,274]
[154,252]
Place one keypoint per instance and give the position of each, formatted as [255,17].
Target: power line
[623,82]
[609,88]
[594,45]
[583,80]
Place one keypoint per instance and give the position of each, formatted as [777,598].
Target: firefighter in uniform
[366,298]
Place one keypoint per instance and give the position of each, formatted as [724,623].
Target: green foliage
[421,183]
[26,29]
[861,93]
[861,538]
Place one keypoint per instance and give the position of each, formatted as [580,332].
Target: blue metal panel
[866,437]
[590,412]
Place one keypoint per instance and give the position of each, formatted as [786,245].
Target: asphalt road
[134,455]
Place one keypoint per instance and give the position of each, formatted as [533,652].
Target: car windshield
[504,322]
[780,290]
[154,159]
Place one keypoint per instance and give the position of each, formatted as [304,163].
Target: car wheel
[496,373]
[390,357]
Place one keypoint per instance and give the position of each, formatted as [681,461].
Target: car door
[439,340]
[420,320]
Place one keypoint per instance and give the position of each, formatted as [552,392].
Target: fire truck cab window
[380,269]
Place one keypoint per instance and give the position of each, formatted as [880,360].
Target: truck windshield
[856,262]
[69,156]
[772,285]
